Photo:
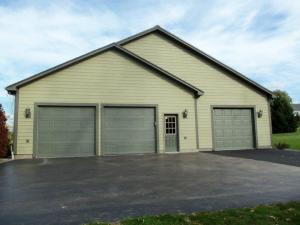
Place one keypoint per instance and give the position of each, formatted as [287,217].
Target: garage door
[65,131]
[127,130]
[233,129]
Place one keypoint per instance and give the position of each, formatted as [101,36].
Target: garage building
[149,93]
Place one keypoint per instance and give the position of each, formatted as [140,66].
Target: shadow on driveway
[286,157]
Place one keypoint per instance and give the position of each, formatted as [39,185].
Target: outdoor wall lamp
[259,113]
[27,113]
[185,113]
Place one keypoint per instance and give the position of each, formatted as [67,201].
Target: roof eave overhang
[11,89]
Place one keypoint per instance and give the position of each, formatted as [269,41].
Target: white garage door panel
[65,131]
[128,130]
[233,129]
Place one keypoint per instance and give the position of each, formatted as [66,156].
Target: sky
[260,39]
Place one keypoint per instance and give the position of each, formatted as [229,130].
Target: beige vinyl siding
[108,78]
[219,88]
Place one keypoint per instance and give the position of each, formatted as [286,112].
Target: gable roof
[296,107]
[200,53]
[118,46]
[196,91]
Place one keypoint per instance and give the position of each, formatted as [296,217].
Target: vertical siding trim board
[178,131]
[254,117]
[270,121]
[16,113]
[156,122]
[40,104]
[196,123]
[254,122]
[212,127]
[163,132]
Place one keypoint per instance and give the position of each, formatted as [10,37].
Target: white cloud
[260,39]
[34,37]
[48,36]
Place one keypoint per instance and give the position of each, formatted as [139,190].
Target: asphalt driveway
[290,157]
[77,190]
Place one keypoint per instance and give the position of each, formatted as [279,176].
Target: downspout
[16,109]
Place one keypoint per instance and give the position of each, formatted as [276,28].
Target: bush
[281,145]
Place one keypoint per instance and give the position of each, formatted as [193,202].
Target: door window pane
[170,125]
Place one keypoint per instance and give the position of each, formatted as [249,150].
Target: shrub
[281,145]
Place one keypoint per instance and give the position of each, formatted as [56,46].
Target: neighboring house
[296,108]
[149,93]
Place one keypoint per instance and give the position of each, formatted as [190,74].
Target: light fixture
[185,113]
[259,113]
[27,113]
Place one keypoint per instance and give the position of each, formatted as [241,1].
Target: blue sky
[261,39]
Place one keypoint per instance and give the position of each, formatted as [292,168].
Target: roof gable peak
[199,53]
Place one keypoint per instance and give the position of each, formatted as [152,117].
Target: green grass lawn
[276,214]
[293,139]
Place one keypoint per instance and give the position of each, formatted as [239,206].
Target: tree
[297,117]
[283,119]
[3,134]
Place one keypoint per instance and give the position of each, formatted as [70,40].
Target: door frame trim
[51,104]
[177,131]
[114,105]
[254,121]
